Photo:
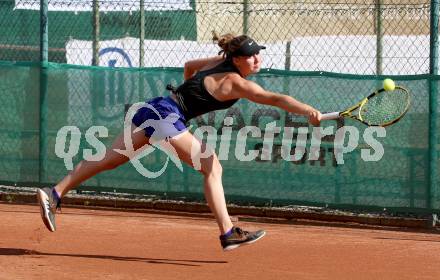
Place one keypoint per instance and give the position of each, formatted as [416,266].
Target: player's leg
[87,169]
[190,149]
[212,171]
[49,198]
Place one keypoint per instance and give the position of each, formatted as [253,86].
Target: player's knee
[212,167]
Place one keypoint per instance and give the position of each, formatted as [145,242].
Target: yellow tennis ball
[388,84]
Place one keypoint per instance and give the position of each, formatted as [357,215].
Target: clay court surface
[98,244]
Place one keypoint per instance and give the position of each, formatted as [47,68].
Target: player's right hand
[315,117]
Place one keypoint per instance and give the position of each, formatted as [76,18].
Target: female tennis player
[210,84]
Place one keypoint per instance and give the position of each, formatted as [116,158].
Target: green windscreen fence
[84,100]
[105,55]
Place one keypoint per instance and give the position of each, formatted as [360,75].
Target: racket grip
[330,116]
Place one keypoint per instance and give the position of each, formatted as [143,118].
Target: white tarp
[125,53]
[401,55]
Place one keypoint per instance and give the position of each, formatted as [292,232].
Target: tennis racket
[381,108]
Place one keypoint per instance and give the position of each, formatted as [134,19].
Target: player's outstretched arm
[255,93]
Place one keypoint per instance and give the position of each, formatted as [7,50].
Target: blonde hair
[228,42]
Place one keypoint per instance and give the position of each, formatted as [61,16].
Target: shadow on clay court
[22,252]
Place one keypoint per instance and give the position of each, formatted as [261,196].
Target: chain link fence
[329,54]
[356,37]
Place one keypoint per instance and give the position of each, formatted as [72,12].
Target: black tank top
[195,100]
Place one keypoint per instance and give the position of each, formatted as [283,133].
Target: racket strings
[385,107]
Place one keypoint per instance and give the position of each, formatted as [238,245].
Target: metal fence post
[96,31]
[44,57]
[96,97]
[433,106]
[245,16]
[379,36]
[141,33]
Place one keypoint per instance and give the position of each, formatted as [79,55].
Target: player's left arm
[193,66]
[242,88]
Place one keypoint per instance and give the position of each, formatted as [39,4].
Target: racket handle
[330,116]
